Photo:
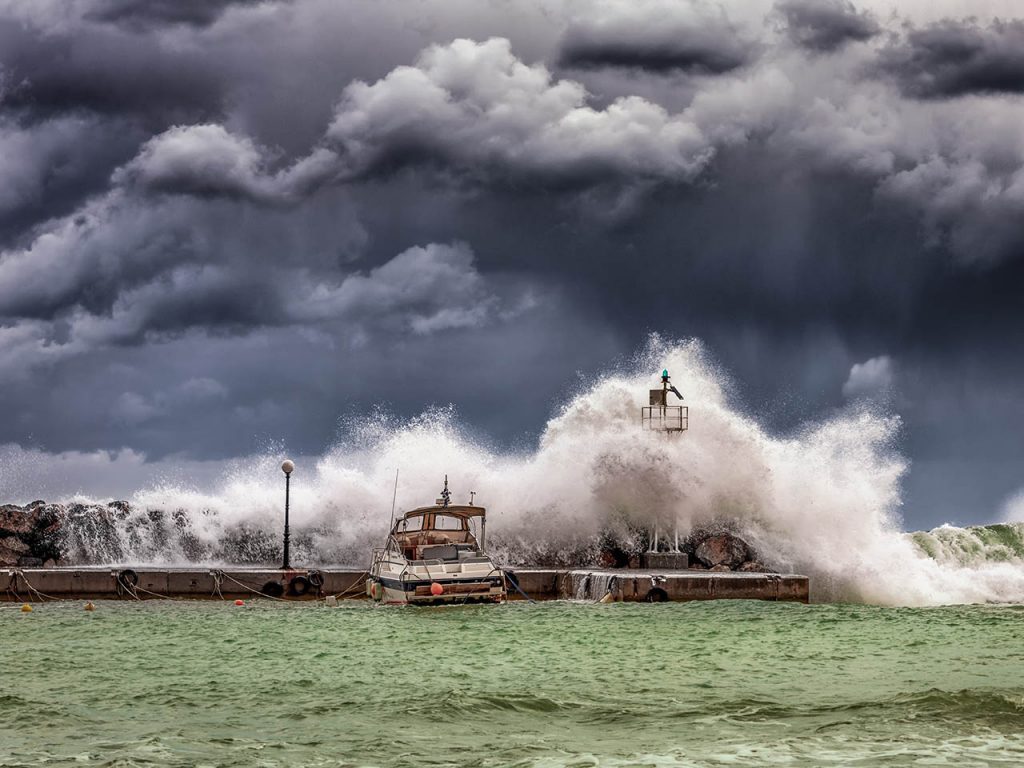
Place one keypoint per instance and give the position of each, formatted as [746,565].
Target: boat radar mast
[659,416]
[446,495]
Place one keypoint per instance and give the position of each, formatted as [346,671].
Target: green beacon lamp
[659,415]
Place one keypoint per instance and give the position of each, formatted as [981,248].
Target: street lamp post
[287,466]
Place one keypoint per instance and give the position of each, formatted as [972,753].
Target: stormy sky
[232,225]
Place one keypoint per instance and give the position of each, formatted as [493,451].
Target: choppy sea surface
[164,683]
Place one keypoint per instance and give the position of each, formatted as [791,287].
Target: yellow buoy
[26,608]
[89,606]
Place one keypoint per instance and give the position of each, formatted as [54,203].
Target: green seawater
[165,683]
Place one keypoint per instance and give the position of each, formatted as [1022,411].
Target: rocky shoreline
[707,549]
[30,535]
[41,534]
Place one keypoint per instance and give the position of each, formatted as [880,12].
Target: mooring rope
[218,577]
[12,585]
[254,591]
[32,589]
[356,586]
[137,589]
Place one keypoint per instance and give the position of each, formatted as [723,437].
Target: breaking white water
[823,502]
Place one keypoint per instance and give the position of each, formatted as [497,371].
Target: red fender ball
[436,589]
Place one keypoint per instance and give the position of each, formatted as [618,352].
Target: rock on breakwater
[30,535]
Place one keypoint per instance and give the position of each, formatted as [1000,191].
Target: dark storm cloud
[233,223]
[655,36]
[953,58]
[106,71]
[826,25]
[141,14]
[48,167]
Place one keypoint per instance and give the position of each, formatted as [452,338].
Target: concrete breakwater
[632,585]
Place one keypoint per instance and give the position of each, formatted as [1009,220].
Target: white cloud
[426,289]
[871,378]
[476,108]
[208,161]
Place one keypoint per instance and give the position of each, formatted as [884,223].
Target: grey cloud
[48,167]
[468,109]
[956,58]
[477,110]
[423,289]
[143,14]
[216,300]
[656,36]
[208,161]
[90,256]
[121,241]
[105,71]
[273,201]
[872,378]
[826,25]
[965,205]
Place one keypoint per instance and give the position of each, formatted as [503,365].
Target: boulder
[8,556]
[15,520]
[719,568]
[14,544]
[722,549]
[753,566]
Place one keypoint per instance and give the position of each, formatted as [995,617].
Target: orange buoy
[239,602]
[436,589]
[89,606]
[26,608]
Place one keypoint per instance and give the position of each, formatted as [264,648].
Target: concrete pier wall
[104,583]
[661,585]
[32,584]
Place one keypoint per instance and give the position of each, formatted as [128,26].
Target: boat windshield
[449,523]
[411,524]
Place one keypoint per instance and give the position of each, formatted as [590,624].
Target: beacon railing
[665,418]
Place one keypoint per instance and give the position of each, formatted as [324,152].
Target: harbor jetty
[626,584]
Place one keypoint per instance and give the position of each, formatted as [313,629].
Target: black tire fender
[272,589]
[656,595]
[298,586]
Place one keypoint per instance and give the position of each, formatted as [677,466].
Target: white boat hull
[422,592]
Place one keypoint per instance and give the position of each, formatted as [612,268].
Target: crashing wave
[823,501]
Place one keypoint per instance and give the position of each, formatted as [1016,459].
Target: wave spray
[823,501]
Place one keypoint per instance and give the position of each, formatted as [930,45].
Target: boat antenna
[394,499]
[446,495]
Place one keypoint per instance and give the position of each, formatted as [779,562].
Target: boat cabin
[439,533]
